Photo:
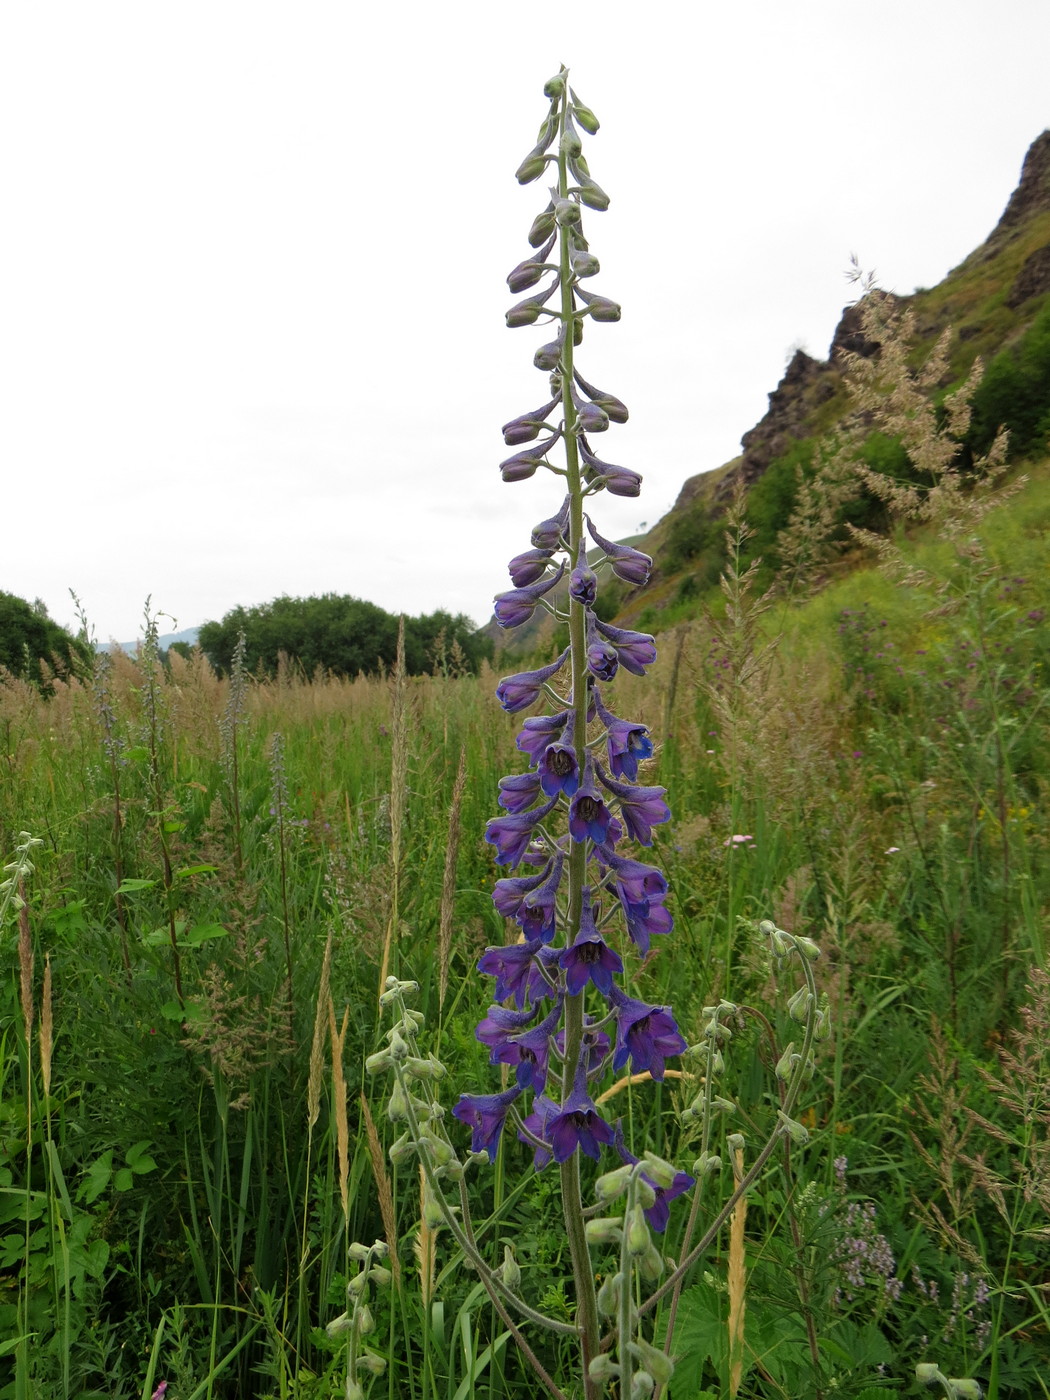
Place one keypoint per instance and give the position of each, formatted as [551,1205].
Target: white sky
[252,295]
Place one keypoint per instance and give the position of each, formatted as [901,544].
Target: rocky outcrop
[1032,195]
[1033,279]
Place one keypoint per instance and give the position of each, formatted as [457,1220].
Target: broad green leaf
[133,886]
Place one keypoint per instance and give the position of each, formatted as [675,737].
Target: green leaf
[97,1178]
[138,1159]
[133,886]
[138,754]
[185,871]
[203,933]
[124,1179]
[173,1011]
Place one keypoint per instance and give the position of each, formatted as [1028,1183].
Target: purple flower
[635,650]
[508,894]
[518,605]
[603,659]
[583,581]
[618,481]
[558,770]
[549,534]
[525,464]
[641,808]
[496,1028]
[629,564]
[647,1034]
[616,410]
[512,834]
[588,815]
[537,913]
[659,1212]
[528,426]
[635,882]
[590,417]
[590,958]
[518,792]
[519,692]
[516,974]
[529,567]
[539,731]
[543,1109]
[645,919]
[484,1114]
[530,1051]
[627,743]
[577,1124]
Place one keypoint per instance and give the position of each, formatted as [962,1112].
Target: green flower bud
[570,143]
[401,1149]
[656,1362]
[543,225]
[651,1264]
[371,1362]
[532,167]
[415,1021]
[807,948]
[364,1320]
[380,1062]
[554,87]
[603,1368]
[583,115]
[604,1229]
[644,1193]
[382,1276]
[637,1231]
[822,1026]
[661,1172]
[767,928]
[359,1252]
[965,1389]
[584,263]
[439,1150]
[399,1046]
[642,1385]
[707,1164]
[798,1134]
[787,1063]
[724,1104]
[353,1390]
[454,1170]
[735,1142]
[433,1216]
[567,212]
[397,1108]
[613,1183]
[339,1325]
[593,195]
[609,1295]
[799,1005]
[509,1271]
[430,1068]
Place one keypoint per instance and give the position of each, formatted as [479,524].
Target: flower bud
[637,1231]
[567,212]
[735,1142]
[543,225]
[583,115]
[604,1229]
[438,1149]
[661,1172]
[570,142]
[602,309]
[613,1183]
[339,1325]
[807,948]
[399,1047]
[642,1385]
[430,1068]
[397,1108]
[549,356]
[380,1275]
[509,1271]
[965,1389]
[590,418]
[532,167]
[644,1193]
[357,1286]
[401,1149]
[651,1264]
[602,1368]
[365,1321]
[353,1390]
[707,1164]
[433,1216]
[656,1362]
[787,1063]
[359,1252]
[372,1363]
[798,1134]
[592,195]
[583,263]
[380,1062]
[609,1295]
[927,1374]
[799,1005]
[554,87]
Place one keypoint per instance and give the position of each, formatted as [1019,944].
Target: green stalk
[572,1202]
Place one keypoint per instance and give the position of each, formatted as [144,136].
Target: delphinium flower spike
[585,902]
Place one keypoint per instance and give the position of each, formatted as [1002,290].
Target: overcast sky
[252,260]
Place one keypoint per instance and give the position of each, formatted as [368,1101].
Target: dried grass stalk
[448,884]
[425,1248]
[313,1088]
[342,1129]
[25,963]
[398,795]
[47,1028]
[383,1188]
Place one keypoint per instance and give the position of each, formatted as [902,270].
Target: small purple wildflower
[577,1124]
[519,692]
[647,1034]
[588,815]
[628,564]
[517,972]
[589,958]
[659,1213]
[641,808]
[529,567]
[517,606]
[512,834]
[558,770]
[540,730]
[518,792]
[635,650]
[583,581]
[485,1114]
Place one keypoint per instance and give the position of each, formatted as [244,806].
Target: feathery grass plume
[384,1191]
[425,1247]
[448,883]
[229,731]
[342,1128]
[47,1028]
[398,797]
[737,1278]
[313,1086]
[26,963]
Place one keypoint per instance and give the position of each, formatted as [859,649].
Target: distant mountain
[187,635]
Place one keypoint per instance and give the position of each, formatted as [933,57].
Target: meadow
[224,870]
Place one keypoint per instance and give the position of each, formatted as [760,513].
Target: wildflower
[577,1124]
[589,958]
[517,972]
[517,606]
[588,815]
[519,692]
[635,650]
[659,1213]
[558,770]
[641,808]
[485,1114]
[646,1034]
[518,792]
[737,841]
[529,425]
[627,744]
[512,834]
[602,657]
[583,581]
[528,567]
[550,534]
[539,731]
